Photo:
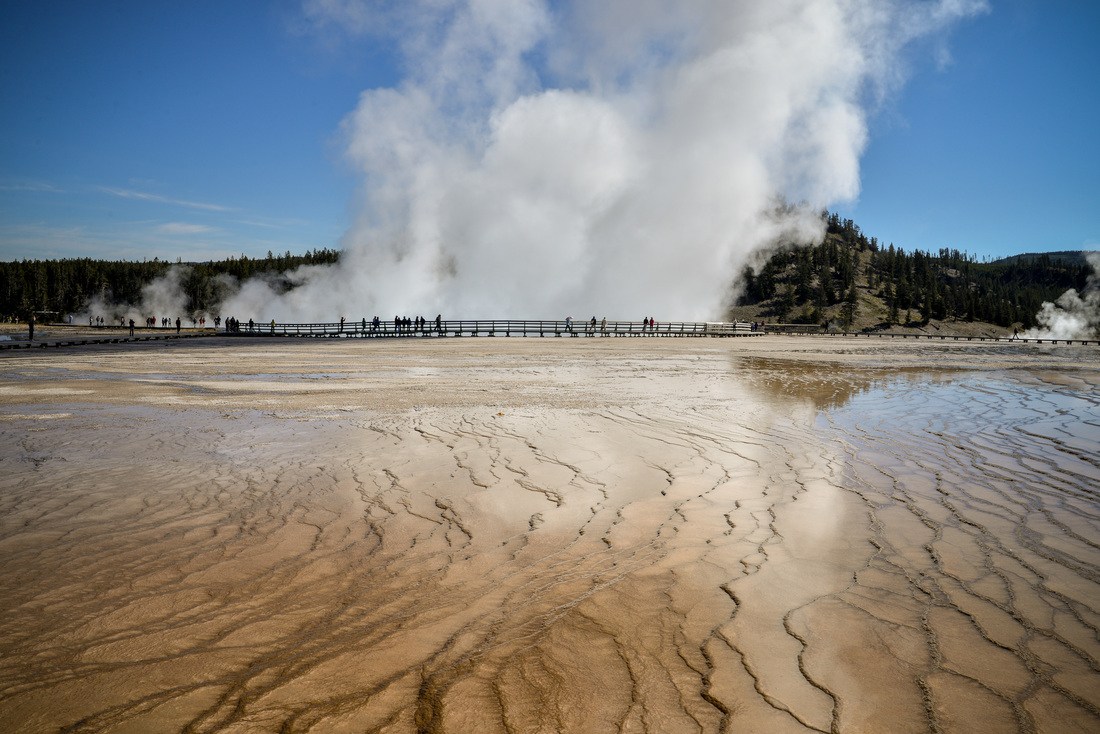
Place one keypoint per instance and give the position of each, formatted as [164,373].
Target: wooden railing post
[525,328]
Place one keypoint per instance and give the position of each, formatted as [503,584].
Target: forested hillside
[67,286]
[854,282]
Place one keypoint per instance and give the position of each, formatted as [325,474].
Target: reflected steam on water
[503,536]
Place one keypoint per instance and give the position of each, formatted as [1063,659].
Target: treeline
[801,284]
[806,284]
[68,285]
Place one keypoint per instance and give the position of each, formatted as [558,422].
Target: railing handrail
[557,327]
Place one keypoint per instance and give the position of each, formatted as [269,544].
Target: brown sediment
[551,535]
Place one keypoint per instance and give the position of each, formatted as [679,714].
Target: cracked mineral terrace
[766,535]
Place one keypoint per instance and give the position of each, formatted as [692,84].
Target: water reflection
[824,386]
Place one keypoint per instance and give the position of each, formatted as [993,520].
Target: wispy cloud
[146,196]
[38,240]
[135,241]
[185,228]
[125,242]
[273,223]
[31,186]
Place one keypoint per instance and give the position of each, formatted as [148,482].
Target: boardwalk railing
[45,339]
[815,330]
[501,328]
[350,329]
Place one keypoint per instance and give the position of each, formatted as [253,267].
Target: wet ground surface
[510,535]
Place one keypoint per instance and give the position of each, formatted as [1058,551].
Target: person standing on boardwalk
[30,327]
[131,327]
[178,324]
[439,323]
[603,325]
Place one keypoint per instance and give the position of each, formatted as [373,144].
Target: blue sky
[194,130]
[203,129]
[996,152]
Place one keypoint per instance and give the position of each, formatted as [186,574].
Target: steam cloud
[1073,315]
[619,158]
[162,297]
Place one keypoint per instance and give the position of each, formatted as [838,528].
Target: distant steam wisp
[1074,315]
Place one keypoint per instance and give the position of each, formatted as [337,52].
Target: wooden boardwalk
[492,328]
[770,329]
[142,335]
[361,329]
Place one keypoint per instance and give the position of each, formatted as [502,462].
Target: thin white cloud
[146,196]
[127,241]
[185,228]
[38,240]
[32,186]
[273,223]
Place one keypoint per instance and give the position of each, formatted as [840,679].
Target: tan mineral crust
[769,534]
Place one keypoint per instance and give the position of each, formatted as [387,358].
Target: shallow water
[688,536]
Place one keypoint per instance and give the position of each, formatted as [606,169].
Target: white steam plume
[162,297]
[620,157]
[1074,315]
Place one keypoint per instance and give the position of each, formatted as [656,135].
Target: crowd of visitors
[405,325]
